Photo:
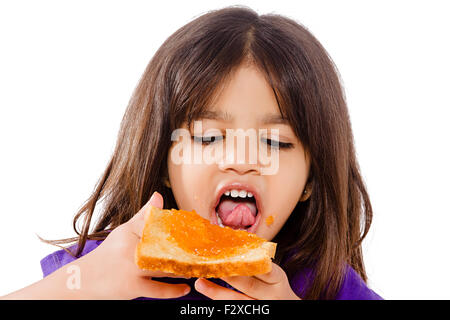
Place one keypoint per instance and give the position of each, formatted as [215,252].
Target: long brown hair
[323,233]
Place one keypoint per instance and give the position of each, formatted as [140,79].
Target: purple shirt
[353,287]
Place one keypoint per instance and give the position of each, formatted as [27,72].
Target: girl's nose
[240,168]
[241,154]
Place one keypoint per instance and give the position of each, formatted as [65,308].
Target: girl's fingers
[154,289]
[217,292]
[275,276]
[264,286]
[249,285]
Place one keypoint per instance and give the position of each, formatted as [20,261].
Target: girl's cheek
[195,189]
[285,191]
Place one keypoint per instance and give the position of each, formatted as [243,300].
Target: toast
[184,243]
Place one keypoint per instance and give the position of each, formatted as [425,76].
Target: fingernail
[156,200]
[199,283]
[153,197]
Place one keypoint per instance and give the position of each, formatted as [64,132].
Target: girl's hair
[322,234]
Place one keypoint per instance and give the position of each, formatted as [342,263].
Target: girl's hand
[109,271]
[270,286]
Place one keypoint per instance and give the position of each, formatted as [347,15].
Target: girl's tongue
[237,214]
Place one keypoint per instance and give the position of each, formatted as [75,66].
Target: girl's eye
[278,144]
[207,139]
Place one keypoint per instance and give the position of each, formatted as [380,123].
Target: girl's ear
[166,182]
[165,178]
[307,192]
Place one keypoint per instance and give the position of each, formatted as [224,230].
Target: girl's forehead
[266,118]
[245,93]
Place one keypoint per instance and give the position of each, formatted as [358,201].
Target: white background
[67,70]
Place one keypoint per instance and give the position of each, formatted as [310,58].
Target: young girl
[230,69]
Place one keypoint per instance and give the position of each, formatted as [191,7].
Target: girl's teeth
[234,193]
[238,193]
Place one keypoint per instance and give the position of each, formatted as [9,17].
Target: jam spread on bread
[198,236]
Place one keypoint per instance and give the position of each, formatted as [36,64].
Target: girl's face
[218,190]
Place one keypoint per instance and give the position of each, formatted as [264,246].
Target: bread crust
[204,270]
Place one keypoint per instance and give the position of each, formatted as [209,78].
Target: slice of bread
[184,243]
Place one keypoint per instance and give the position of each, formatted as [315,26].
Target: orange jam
[198,236]
[269,220]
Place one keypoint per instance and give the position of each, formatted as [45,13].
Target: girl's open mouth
[238,209]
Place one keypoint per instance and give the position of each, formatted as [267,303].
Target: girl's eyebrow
[215,115]
[274,119]
[226,117]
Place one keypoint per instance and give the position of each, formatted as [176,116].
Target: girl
[230,69]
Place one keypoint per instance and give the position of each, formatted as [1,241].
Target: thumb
[138,220]
[156,200]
